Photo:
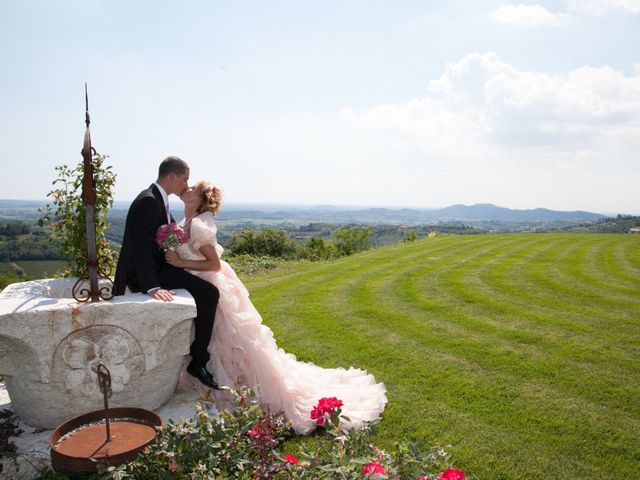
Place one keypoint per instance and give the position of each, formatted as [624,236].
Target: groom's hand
[162,294]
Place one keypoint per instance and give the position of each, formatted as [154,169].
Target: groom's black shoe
[202,374]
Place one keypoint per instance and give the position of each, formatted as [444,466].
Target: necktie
[166,207]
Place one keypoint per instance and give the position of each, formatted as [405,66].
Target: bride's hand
[172,258]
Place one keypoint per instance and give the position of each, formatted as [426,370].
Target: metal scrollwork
[105,285]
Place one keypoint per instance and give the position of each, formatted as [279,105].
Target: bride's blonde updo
[210,197]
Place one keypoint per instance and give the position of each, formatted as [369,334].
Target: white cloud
[517,130]
[525,15]
[598,7]
[481,96]
[528,16]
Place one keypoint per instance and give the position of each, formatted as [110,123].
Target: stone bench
[50,344]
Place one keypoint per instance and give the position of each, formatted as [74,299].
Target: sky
[334,102]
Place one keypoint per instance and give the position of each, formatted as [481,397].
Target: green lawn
[520,351]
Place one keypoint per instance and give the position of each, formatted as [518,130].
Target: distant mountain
[479,213]
[488,211]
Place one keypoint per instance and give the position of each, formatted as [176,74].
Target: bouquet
[171,236]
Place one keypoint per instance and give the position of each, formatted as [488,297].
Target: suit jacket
[140,257]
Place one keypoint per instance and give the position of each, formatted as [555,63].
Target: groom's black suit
[142,267]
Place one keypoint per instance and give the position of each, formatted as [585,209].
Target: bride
[243,350]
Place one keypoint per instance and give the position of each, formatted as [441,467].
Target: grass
[35,268]
[520,351]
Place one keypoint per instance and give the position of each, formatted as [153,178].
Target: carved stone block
[50,345]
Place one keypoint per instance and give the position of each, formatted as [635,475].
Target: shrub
[270,242]
[317,248]
[350,240]
[67,215]
[410,236]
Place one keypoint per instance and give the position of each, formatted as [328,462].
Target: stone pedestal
[50,345]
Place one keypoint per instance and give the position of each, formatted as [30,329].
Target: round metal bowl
[79,444]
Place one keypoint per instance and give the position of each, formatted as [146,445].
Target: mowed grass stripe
[606,266]
[560,276]
[592,314]
[583,271]
[477,387]
[466,264]
[321,286]
[569,378]
[507,345]
[569,352]
[618,263]
[438,296]
[459,378]
[631,255]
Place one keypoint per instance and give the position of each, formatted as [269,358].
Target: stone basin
[50,344]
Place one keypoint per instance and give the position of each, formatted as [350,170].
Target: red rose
[373,468]
[325,405]
[290,459]
[451,474]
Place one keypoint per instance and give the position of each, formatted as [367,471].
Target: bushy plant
[270,241]
[247,442]
[317,248]
[349,240]
[66,214]
[410,236]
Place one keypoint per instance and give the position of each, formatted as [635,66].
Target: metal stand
[104,379]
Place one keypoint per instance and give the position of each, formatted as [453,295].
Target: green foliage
[270,242]
[36,245]
[317,248]
[619,224]
[35,269]
[14,229]
[410,236]
[66,216]
[349,240]
[7,278]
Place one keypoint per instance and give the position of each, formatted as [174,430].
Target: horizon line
[361,207]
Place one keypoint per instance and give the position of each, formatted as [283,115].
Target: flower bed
[250,443]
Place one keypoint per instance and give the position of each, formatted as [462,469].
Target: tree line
[21,241]
[278,243]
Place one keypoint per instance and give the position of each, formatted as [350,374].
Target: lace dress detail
[244,351]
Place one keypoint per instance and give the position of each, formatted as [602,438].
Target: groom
[142,266]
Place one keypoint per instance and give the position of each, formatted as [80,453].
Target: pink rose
[451,474]
[290,459]
[374,468]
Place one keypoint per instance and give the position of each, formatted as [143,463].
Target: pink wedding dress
[244,352]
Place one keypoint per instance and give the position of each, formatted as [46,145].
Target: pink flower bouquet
[171,236]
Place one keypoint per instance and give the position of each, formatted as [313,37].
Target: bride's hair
[210,197]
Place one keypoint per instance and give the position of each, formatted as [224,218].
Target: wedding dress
[244,352]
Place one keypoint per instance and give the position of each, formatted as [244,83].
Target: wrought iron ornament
[95,270]
[105,285]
